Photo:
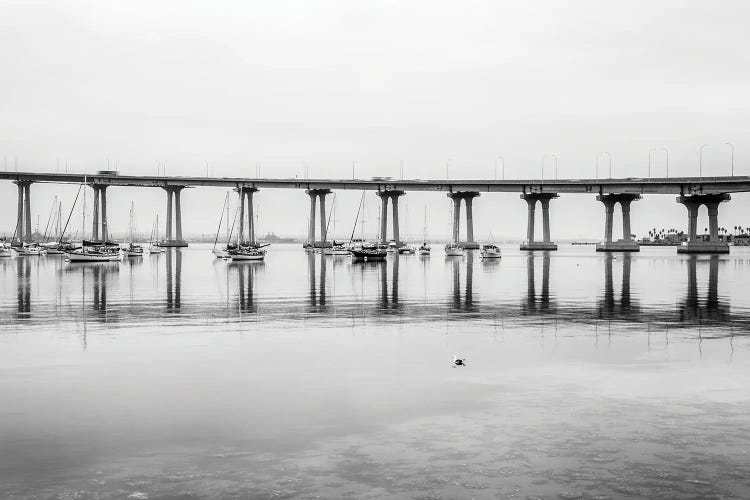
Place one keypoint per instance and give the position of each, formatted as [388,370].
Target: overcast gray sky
[234,84]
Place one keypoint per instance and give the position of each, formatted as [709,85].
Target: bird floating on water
[458,361]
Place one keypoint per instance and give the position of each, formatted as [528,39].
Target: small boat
[153,245]
[222,253]
[5,249]
[368,254]
[407,249]
[95,252]
[490,251]
[133,250]
[54,248]
[336,249]
[247,253]
[425,248]
[29,249]
[392,247]
[453,250]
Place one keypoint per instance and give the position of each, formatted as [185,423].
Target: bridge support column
[103,201]
[546,243]
[27,209]
[626,243]
[384,197]
[700,245]
[173,197]
[311,224]
[314,195]
[23,220]
[467,197]
[246,200]
[95,217]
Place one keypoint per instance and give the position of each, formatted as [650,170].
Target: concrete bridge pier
[246,200]
[314,195]
[696,244]
[384,197]
[99,214]
[626,243]
[546,243]
[173,194]
[467,197]
[23,221]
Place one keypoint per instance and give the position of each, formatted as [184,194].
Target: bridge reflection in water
[403,288]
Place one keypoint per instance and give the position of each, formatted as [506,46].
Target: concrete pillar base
[618,246]
[469,245]
[172,243]
[704,247]
[538,245]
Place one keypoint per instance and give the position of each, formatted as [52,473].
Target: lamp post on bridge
[666,152]
[700,161]
[609,158]
[732,148]
[447,162]
[499,158]
[551,156]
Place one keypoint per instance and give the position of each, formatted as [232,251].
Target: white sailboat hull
[490,255]
[29,251]
[245,257]
[92,257]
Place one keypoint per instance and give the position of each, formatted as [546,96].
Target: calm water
[180,376]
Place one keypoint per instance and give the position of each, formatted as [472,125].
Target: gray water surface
[182,376]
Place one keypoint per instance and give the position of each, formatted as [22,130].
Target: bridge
[692,192]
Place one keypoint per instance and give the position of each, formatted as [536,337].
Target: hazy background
[281,84]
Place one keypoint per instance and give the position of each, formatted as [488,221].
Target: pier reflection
[94,280]
[316,275]
[713,307]
[463,302]
[608,307]
[23,284]
[173,257]
[389,300]
[537,302]
[246,279]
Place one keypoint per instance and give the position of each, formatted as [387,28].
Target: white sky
[234,84]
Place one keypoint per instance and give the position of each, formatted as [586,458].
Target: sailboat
[133,250]
[453,249]
[24,249]
[246,251]
[153,246]
[365,252]
[222,253]
[92,251]
[337,247]
[405,248]
[425,248]
[4,248]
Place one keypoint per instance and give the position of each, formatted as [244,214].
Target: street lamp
[352,169]
[499,158]
[543,158]
[402,170]
[609,158]
[447,162]
[666,152]
[732,147]
[700,160]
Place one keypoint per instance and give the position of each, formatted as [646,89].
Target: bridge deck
[674,185]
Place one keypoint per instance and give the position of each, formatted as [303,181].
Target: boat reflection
[23,284]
